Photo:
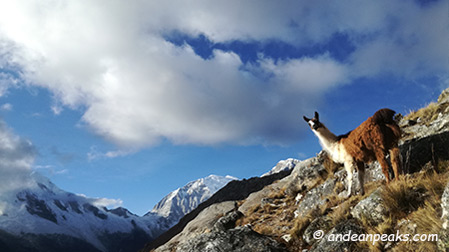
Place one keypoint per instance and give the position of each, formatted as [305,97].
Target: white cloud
[56,109]
[6,107]
[16,158]
[103,202]
[7,81]
[50,170]
[414,46]
[137,89]
[95,154]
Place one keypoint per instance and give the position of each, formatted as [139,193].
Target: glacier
[41,209]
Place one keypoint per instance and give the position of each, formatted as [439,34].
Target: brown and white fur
[368,142]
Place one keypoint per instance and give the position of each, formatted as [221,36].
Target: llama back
[378,131]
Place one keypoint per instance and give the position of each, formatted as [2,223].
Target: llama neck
[327,139]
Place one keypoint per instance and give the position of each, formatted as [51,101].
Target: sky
[129,100]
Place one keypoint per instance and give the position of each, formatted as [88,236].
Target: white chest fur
[334,148]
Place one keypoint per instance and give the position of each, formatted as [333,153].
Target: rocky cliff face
[288,213]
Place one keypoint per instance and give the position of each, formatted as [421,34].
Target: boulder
[371,208]
[224,237]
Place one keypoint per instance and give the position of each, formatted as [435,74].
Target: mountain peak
[184,199]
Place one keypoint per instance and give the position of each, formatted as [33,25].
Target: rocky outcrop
[224,237]
[240,239]
[203,223]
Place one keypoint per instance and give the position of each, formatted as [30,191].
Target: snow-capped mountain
[183,200]
[43,209]
[283,165]
[42,217]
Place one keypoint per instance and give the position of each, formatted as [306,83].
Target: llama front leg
[361,175]
[349,167]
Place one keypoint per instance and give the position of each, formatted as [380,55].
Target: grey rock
[304,174]
[316,197]
[419,151]
[241,239]
[370,208]
[445,207]
[225,237]
[204,222]
[420,128]
[228,221]
[443,241]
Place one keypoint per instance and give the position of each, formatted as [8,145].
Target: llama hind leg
[396,161]
[349,167]
[380,156]
[361,175]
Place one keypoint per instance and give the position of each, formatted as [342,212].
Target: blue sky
[129,101]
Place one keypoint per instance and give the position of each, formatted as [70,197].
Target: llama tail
[385,117]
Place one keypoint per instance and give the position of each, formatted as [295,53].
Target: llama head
[314,123]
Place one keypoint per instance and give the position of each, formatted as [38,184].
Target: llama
[366,143]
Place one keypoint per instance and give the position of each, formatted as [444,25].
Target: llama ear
[306,119]
[317,116]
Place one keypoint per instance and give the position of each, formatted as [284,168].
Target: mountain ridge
[41,212]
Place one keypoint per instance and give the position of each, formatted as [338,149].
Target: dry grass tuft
[427,114]
[386,227]
[402,197]
[428,222]
[433,182]
[301,223]
[427,218]
[341,212]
